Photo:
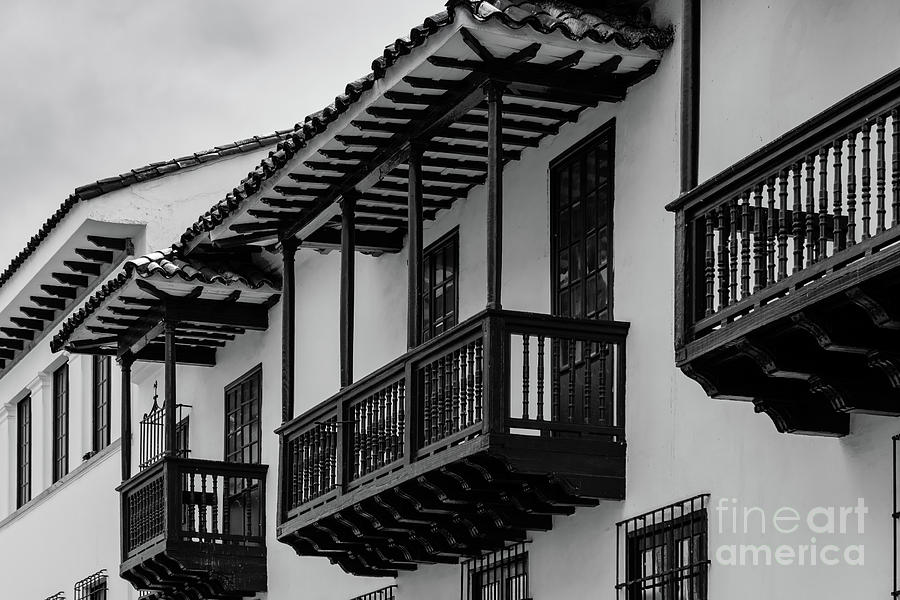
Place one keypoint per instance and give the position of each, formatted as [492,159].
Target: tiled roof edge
[138,175]
[633,35]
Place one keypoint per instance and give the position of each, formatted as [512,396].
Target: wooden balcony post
[494,193]
[348,284]
[288,325]
[170,364]
[414,267]
[125,362]
[496,366]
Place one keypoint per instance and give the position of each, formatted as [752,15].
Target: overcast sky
[93,88]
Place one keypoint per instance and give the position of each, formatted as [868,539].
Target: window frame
[580,148]
[426,330]
[24,441]
[228,435]
[101,402]
[501,566]
[60,420]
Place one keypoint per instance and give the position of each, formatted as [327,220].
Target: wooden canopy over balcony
[433,104]
[209,300]
[789,270]
[460,446]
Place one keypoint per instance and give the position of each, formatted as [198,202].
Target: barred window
[92,588]
[500,575]
[60,422]
[440,292]
[101,393]
[387,593]
[896,516]
[23,451]
[57,596]
[665,553]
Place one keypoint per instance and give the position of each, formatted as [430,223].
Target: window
[501,575]
[57,596]
[581,228]
[101,402]
[440,292]
[60,422]
[92,588]
[665,553]
[23,451]
[242,421]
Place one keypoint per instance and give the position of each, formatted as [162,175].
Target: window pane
[440,300]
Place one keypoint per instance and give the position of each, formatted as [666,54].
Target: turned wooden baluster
[215,504]
[770,233]
[602,390]
[710,264]
[426,406]
[811,246]
[457,356]
[895,168]
[799,220]
[465,397]
[782,224]
[759,241]
[401,418]
[202,507]
[448,394]
[823,203]
[866,178]
[479,386]
[721,225]
[880,174]
[437,409]
[851,188]
[525,376]
[745,245]
[734,250]
[837,197]
[556,355]
[540,378]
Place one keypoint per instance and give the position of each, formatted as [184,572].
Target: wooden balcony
[789,267]
[195,529]
[462,445]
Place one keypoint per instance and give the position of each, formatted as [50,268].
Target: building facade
[425,347]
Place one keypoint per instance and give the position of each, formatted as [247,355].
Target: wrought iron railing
[92,587]
[497,575]
[190,500]
[386,593]
[153,434]
[804,208]
[499,372]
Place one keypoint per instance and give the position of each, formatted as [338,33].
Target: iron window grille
[57,596]
[440,289]
[23,451]
[663,554]
[387,593]
[499,575]
[153,433]
[581,197]
[60,422]
[101,402]
[92,587]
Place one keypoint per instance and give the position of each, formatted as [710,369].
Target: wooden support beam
[187,355]
[370,242]
[88,268]
[414,264]
[171,363]
[7,354]
[19,334]
[92,254]
[494,195]
[125,362]
[431,190]
[60,291]
[348,285]
[11,344]
[445,109]
[389,112]
[51,303]
[71,279]
[468,150]
[538,112]
[311,178]
[288,328]
[427,83]
[288,203]
[567,62]
[257,226]
[35,324]
[250,238]
[109,243]
[38,313]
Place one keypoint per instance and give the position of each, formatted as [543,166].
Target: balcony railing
[198,524]
[189,500]
[386,593]
[500,372]
[801,211]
